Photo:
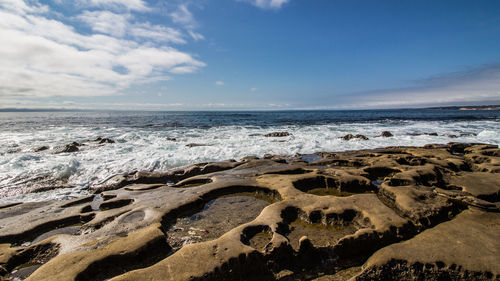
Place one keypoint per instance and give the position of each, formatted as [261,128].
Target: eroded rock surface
[394,213]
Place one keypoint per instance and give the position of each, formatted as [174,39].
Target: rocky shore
[396,213]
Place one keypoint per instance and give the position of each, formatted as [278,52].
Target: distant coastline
[478,107]
[463,108]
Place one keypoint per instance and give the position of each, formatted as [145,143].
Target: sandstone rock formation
[397,213]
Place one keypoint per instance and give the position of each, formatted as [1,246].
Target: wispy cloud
[219,83]
[267,4]
[106,22]
[473,85]
[119,25]
[132,5]
[183,16]
[20,7]
[195,35]
[44,56]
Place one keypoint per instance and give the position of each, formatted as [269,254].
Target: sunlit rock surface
[397,213]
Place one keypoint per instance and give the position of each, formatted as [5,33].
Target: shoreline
[273,218]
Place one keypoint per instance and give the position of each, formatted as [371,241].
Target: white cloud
[254,89]
[119,25]
[183,69]
[44,57]
[183,16]
[267,4]
[106,22]
[157,33]
[20,7]
[131,5]
[195,35]
[219,83]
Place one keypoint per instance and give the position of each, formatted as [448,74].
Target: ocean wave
[25,170]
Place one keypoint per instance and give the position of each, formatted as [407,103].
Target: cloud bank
[46,54]
[479,85]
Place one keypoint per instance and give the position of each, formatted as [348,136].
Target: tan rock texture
[396,213]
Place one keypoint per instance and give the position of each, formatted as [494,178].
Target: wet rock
[71,147]
[431,134]
[363,137]
[196,144]
[386,134]
[41,148]
[277,134]
[468,135]
[171,139]
[104,140]
[351,136]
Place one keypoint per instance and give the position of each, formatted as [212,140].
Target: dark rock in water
[351,136]
[386,134]
[104,140]
[72,147]
[468,135]
[347,137]
[196,144]
[277,134]
[431,134]
[452,136]
[41,148]
[171,139]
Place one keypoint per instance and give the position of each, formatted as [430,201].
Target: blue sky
[248,54]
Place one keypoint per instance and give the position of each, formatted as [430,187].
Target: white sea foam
[22,169]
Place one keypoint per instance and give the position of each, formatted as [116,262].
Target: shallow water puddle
[217,217]
[24,271]
[260,240]
[322,191]
[71,230]
[319,234]
[309,158]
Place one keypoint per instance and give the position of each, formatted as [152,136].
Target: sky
[248,54]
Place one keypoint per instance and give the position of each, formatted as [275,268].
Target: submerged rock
[351,136]
[41,148]
[104,140]
[196,144]
[386,134]
[277,134]
[71,147]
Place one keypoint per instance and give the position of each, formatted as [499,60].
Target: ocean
[158,141]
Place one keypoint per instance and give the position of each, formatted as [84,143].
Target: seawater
[144,141]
